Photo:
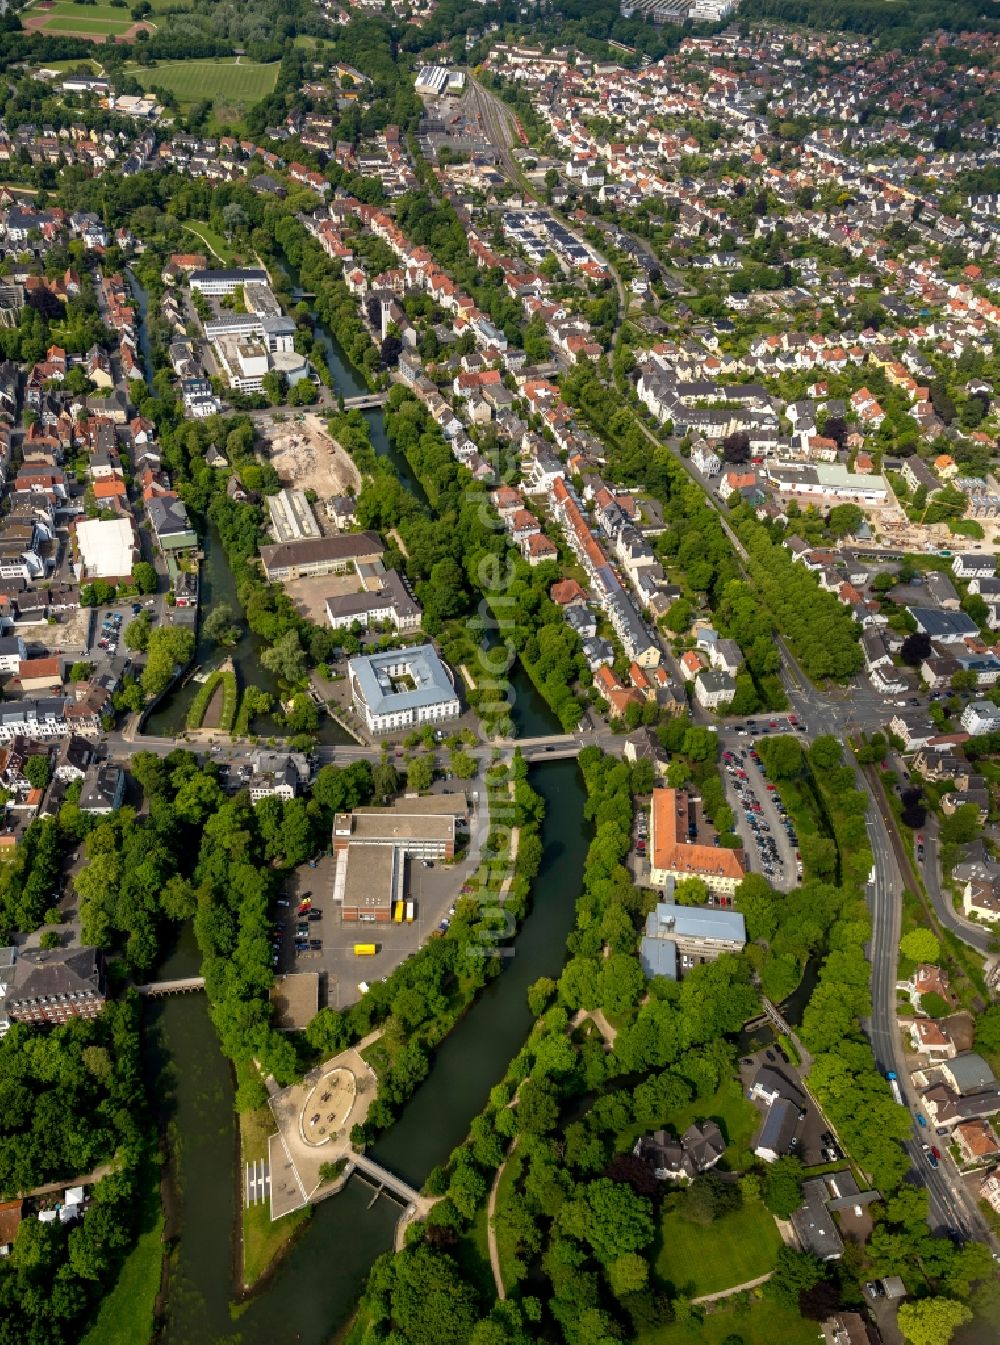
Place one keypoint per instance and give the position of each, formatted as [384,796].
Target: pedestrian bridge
[367,402]
[388,1181]
[182,985]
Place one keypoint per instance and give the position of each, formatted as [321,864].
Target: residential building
[276,779]
[714,689]
[932,1039]
[173,528]
[981,899]
[103,789]
[846,1328]
[12,652]
[980,717]
[977,1141]
[698,1150]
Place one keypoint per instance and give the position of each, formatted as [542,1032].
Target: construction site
[306,457]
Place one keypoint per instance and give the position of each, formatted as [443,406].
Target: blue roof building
[402,688]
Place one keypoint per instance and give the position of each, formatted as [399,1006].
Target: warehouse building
[373,846]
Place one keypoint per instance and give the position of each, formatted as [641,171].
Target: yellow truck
[365,949]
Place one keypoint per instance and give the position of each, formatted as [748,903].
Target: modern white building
[228,280]
[402,688]
[981,717]
[107,548]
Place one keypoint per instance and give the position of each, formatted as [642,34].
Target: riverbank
[262,1241]
[313,1288]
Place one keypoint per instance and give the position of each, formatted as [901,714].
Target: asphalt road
[974,935]
[949,1205]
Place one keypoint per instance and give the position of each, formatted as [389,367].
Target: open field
[223,81]
[702,1260]
[98,23]
[765,1323]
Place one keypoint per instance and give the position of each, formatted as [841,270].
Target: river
[316,1286]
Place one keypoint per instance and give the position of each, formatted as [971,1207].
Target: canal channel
[315,1288]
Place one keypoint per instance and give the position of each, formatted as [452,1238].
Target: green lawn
[225,82]
[212,241]
[126,1315]
[766,1323]
[698,1260]
[66,16]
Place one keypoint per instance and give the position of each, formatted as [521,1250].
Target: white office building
[403,688]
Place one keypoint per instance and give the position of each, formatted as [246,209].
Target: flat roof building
[320,555]
[107,548]
[696,934]
[372,846]
[402,688]
[227,280]
[292,516]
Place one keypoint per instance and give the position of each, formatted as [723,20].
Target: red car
[772,789]
[792,719]
[936,1152]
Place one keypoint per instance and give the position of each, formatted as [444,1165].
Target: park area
[696,1258]
[758,1322]
[228,82]
[96,23]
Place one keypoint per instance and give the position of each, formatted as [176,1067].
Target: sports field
[225,82]
[66,17]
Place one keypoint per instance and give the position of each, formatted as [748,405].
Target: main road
[949,1205]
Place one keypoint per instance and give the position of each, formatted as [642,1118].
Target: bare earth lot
[310,595]
[305,456]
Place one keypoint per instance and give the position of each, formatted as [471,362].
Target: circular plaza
[326,1113]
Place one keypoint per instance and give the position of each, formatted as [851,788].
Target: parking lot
[814,1144]
[311,917]
[767,832]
